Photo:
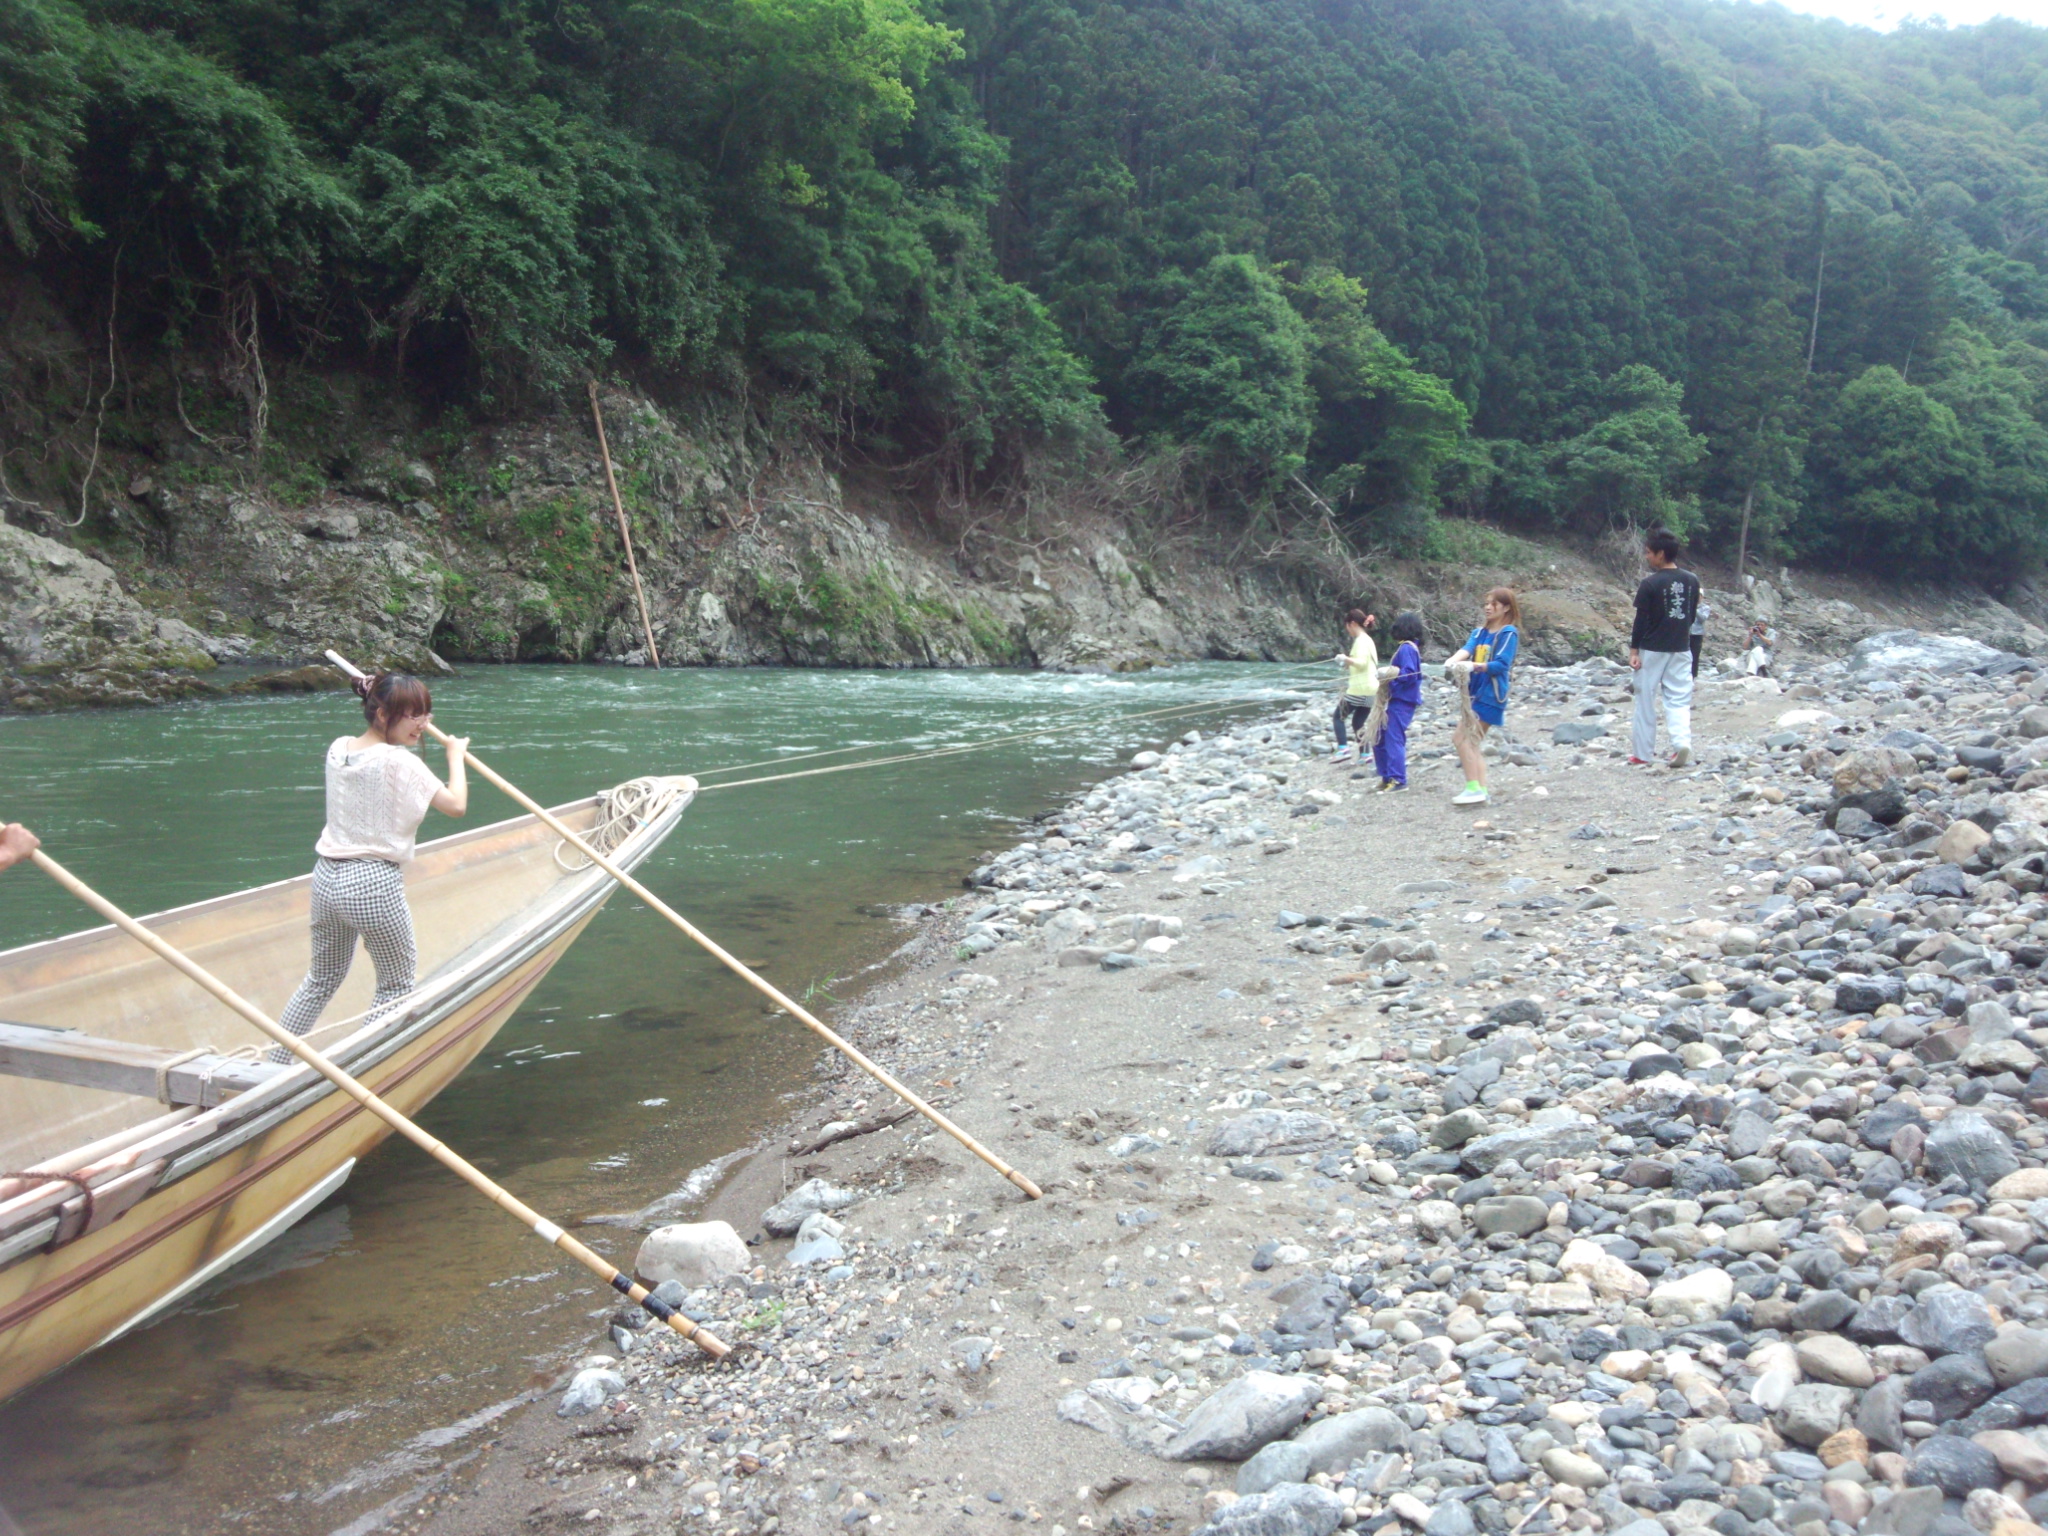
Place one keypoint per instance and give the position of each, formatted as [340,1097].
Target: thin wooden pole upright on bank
[625,534]
[736,966]
[439,1151]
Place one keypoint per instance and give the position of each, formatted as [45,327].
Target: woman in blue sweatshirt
[1483,665]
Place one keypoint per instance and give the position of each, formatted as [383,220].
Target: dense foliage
[1562,262]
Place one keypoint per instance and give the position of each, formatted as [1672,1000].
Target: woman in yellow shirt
[1361,682]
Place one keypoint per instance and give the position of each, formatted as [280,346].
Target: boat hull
[208,1195]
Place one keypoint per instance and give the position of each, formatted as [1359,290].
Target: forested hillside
[1372,261]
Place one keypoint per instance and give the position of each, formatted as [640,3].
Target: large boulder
[1908,650]
[70,635]
[692,1253]
[1559,629]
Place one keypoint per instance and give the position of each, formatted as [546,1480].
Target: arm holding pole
[766,989]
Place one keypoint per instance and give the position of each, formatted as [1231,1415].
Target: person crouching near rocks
[1403,681]
[378,792]
[1361,682]
[1482,667]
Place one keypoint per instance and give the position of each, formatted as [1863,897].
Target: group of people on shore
[1665,641]
[1379,702]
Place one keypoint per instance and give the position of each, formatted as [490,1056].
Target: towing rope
[621,811]
[972,746]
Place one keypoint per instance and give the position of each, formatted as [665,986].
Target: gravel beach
[1649,1150]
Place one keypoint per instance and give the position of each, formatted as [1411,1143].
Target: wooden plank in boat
[119,1066]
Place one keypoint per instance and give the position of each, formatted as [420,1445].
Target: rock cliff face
[504,546]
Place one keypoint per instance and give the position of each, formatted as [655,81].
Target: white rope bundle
[621,811]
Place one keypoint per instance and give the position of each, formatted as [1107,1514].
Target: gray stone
[1531,1145]
[819,1248]
[1954,1465]
[1880,1319]
[1457,1128]
[1867,994]
[1450,1518]
[1243,1415]
[1812,1411]
[1292,1509]
[1940,880]
[1822,1311]
[1267,1132]
[1334,1443]
[1967,1145]
[785,1216]
[1947,1319]
[1954,1385]
[1518,1214]
[1284,1461]
[1747,1133]
[589,1390]
[2016,1355]
[1570,733]
[1803,1465]
[1880,1414]
[1885,1121]
[1503,1465]
[1909,1512]
[973,1353]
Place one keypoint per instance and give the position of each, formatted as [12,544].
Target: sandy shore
[1278,1149]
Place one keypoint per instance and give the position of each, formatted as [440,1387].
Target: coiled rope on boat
[621,811]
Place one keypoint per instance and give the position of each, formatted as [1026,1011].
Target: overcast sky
[1886,14]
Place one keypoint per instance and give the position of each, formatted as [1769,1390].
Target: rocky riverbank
[424,546]
[1640,1154]
[500,543]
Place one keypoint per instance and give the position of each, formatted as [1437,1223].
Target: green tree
[1630,466]
[1894,476]
[1383,427]
[1227,369]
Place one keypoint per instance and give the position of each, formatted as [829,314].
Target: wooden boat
[145,1146]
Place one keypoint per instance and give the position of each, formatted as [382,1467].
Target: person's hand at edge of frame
[16,844]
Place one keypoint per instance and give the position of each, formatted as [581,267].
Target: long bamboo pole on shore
[467,1171]
[625,533]
[737,967]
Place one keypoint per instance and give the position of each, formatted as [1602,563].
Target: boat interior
[99,1037]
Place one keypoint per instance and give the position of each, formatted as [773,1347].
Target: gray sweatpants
[351,898]
[1666,675]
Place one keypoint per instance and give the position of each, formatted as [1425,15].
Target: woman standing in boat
[377,794]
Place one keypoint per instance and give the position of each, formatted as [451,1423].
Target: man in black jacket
[1660,650]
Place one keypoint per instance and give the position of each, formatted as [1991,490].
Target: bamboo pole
[496,1193]
[737,967]
[625,534]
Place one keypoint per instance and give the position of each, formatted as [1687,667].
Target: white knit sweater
[376,798]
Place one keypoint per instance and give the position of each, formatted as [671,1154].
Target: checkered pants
[354,897]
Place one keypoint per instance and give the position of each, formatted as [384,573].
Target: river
[307,1386]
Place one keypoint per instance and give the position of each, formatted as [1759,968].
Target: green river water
[316,1382]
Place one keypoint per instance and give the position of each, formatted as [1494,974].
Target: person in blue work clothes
[1482,666]
[1404,691]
